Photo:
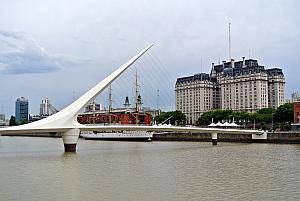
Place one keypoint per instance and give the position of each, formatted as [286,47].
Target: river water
[38,169]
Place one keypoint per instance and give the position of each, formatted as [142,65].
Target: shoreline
[276,137]
[287,137]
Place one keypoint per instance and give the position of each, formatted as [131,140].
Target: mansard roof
[274,71]
[243,71]
[199,76]
[243,67]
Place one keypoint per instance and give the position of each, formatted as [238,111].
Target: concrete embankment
[276,137]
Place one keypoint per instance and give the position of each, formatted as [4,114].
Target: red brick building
[296,111]
[115,117]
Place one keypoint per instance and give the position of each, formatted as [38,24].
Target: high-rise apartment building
[242,85]
[21,110]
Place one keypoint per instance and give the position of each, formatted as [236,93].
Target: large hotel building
[241,86]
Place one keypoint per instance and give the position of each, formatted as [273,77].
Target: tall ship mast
[126,115]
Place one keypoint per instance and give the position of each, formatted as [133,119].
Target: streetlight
[273,120]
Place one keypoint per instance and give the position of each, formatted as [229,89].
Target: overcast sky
[51,48]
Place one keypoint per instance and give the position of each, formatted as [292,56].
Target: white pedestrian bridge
[65,121]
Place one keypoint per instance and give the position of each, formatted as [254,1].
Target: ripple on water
[37,169]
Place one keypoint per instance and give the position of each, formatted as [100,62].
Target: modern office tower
[46,108]
[295,97]
[241,86]
[21,109]
[2,117]
[3,122]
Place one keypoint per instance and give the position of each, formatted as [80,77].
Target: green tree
[23,121]
[241,116]
[266,111]
[176,117]
[216,115]
[284,113]
[206,118]
[12,121]
[263,118]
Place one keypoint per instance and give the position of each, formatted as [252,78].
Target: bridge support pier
[214,138]
[70,139]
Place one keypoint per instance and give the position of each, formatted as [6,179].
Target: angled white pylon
[66,119]
[66,123]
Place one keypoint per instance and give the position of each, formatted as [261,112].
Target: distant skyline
[46,46]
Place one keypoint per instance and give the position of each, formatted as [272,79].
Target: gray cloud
[70,60]
[21,54]
[24,63]
[189,35]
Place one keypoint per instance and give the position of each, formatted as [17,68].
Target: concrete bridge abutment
[214,138]
[70,139]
